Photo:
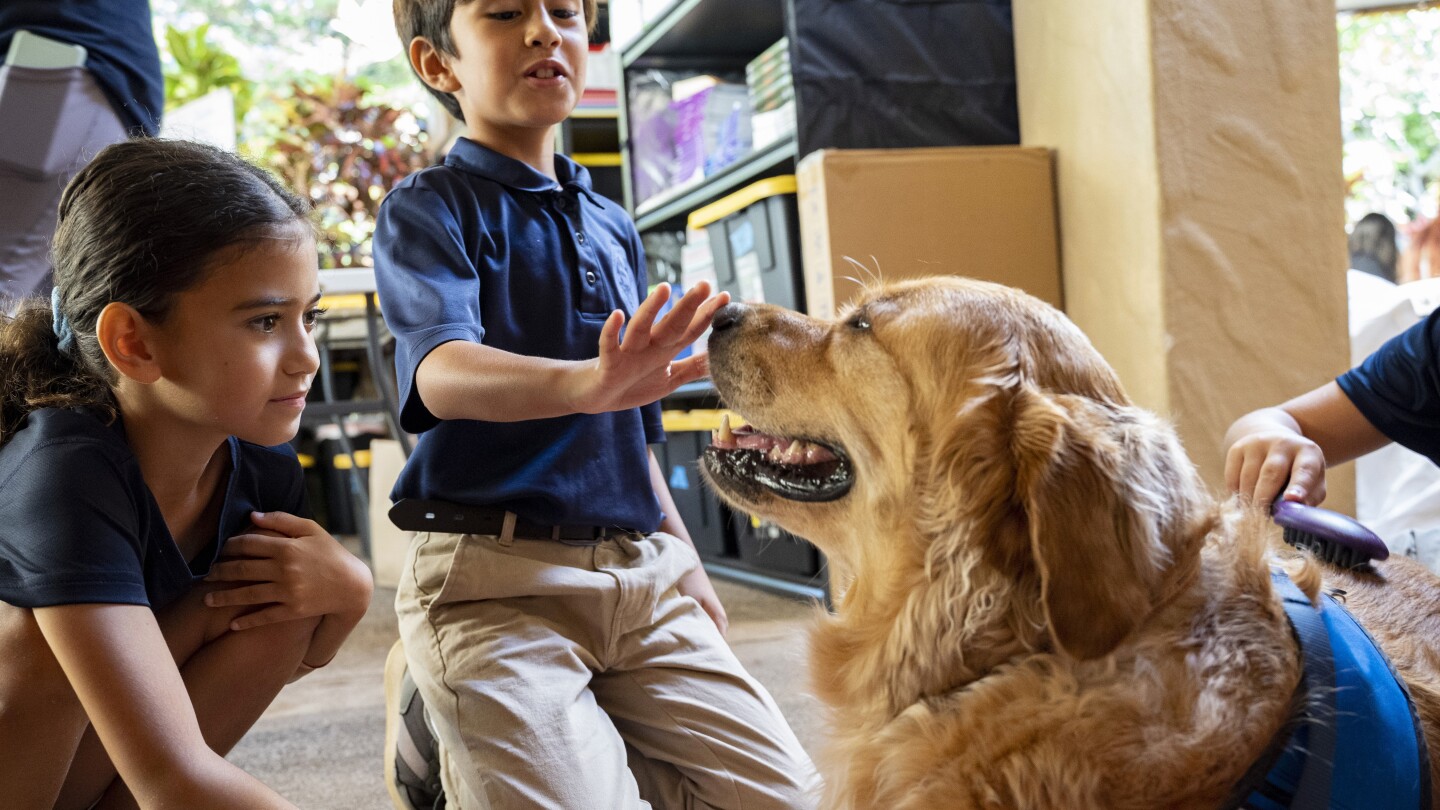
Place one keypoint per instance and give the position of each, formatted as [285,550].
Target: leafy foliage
[263,24]
[346,153]
[328,133]
[198,67]
[1389,100]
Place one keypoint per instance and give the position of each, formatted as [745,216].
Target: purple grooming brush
[1333,537]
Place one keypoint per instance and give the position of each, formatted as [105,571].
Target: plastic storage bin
[755,238]
[688,434]
[336,471]
[769,548]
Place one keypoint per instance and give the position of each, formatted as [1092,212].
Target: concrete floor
[320,743]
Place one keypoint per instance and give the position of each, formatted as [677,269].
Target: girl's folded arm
[122,671]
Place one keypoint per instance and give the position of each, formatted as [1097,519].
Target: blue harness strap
[1356,741]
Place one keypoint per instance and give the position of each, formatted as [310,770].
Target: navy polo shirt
[120,48]
[78,524]
[1398,388]
[487,249]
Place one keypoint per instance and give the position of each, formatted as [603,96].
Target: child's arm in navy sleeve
[463,380]
[1393,396]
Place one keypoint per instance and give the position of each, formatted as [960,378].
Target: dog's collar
[1353,738]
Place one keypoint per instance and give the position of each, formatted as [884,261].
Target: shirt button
[590,276]
[580,237]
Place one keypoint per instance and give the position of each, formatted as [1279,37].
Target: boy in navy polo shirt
[567,644]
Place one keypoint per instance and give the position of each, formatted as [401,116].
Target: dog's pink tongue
[757,441]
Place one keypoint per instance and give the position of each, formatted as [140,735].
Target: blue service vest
[1357,744]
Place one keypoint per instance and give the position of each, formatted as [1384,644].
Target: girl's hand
[638,370]
[696,585]
[1258,465]
[297,571]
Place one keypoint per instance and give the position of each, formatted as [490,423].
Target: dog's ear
[1088,480]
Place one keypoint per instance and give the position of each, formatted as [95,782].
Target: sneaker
[412,754]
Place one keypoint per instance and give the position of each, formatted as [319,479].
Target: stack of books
[772,95]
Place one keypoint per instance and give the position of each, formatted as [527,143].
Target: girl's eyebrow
[262,303]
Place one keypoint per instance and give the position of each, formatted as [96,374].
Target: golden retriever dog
[1041,605]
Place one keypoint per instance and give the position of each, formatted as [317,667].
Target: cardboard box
[987,212]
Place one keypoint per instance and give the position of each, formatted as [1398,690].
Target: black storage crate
[769,548]
[755,239]
[679,459]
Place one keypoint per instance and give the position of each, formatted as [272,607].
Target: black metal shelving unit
[705,35]
[866,74]
[722,36]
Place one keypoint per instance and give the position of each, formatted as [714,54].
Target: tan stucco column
[1201,200]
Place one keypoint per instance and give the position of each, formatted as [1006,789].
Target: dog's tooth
[815,453]
[776,454]
[795,453]
[726,434]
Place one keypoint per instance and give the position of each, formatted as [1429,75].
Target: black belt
[414,515]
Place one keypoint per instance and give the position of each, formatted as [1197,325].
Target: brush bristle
[1323,549]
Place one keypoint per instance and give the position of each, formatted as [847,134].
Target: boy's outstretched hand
[640,368]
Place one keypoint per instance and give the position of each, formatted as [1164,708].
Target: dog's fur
[1041,604]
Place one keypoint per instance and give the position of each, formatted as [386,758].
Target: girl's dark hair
[138,225]
[430,19]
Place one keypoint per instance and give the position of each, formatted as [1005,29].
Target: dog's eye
[858,321]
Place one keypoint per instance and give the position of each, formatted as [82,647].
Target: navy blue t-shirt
[120,45]
[487,249]
[78,525]
[1398,388]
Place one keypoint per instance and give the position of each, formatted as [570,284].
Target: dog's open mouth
[793,468]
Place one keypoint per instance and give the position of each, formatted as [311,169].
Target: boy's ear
[432,66]
[126,337]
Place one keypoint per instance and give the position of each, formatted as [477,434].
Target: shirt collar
[469,156]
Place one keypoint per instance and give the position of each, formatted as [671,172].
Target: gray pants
[52,122]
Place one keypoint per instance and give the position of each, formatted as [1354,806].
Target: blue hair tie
[63,333]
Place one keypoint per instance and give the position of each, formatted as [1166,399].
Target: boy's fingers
[644,318]
[678,319]
[269,615]
[1249,474]
[610,332]
[703,318]
[1234,460]
[261,594]
[1273,475]
[689,370]
[1307,479]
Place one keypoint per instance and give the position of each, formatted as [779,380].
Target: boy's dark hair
[430,19]
[140,224]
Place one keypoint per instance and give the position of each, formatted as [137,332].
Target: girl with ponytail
[159,582]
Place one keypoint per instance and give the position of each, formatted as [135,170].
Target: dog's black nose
[728,316]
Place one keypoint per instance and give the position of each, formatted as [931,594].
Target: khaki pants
[563,676]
